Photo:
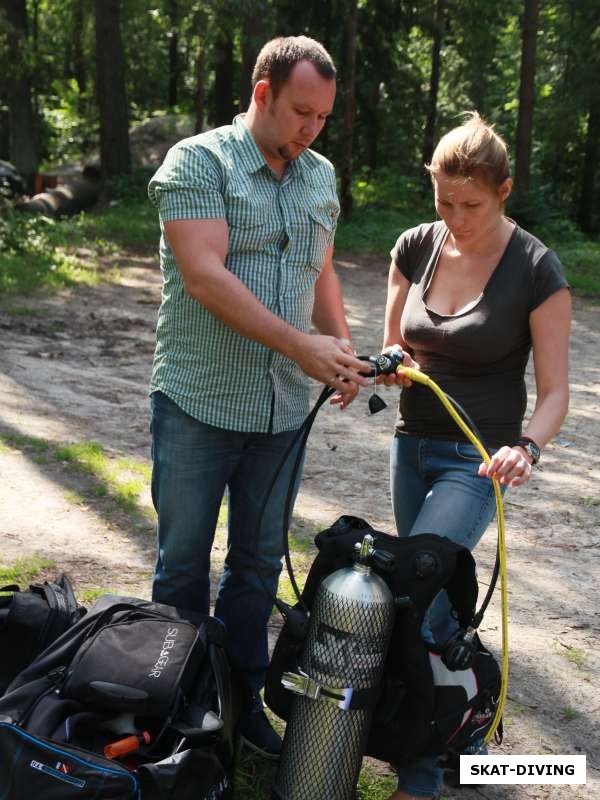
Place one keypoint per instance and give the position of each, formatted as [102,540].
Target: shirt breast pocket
[315,236]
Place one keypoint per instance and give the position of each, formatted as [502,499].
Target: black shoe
[257,734]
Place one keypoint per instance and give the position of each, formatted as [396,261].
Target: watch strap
[531,447]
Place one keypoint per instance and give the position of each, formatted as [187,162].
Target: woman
[469,297]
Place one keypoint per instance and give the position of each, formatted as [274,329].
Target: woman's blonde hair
[473,150]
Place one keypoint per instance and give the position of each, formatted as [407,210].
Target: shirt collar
[253,159]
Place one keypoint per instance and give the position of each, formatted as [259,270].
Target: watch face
[534,451]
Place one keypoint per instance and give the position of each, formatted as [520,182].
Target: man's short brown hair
[278,58]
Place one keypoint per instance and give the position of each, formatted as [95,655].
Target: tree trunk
[200,99]
[200,24]
[526,97]
[79,64]
[251,40]
[173,53]
[17,85]
[4,131]
[439,9]
[115,157]
[224,109]
[349,99]
[372,116]
[591,160]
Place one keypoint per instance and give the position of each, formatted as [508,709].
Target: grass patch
[574,655]
[16,441]
[569,714]
[121,480]
[125,224]
[255,776]
[21,311]
[372,786]
[89,596]
[23,570]
[90,458]
[41,253]
[590,502]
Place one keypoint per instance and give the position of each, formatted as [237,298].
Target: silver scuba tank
[336,687]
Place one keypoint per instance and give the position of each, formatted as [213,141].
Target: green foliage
[41,253]
[569,714]
[386,203]
[23,570]
[128,224]
[34,253]
[255,776]
[119,481]
[130,188]
[89,596]
[575,655]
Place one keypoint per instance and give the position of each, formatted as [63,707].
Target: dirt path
[75,368]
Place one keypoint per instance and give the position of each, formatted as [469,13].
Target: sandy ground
[75,367]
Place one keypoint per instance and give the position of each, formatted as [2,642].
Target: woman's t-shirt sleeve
[405,253]
[548,276]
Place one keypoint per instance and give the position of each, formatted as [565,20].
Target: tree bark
[173,54]
[349,98]
[372,114]
[250,44]
[224,108]
[23,151]
[200,24]
[79,64]
[591,159]
[200,98]
[439,10]
[115,156]
[526,97]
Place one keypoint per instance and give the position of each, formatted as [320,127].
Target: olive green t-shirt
[479,355]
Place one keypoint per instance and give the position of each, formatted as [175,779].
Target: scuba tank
[337,682]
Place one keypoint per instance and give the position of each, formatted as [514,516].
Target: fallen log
[76,195]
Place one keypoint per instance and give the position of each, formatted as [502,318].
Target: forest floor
[74,455]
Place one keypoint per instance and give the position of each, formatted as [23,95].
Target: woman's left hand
[510,466]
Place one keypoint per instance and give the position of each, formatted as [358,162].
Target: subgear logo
[164,656]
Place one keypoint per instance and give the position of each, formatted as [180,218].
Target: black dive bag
[129,668]
[423,707]
[31,620]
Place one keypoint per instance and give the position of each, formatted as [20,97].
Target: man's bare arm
[200,248]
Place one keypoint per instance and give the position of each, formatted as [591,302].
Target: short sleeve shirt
[479,355]
[279,231]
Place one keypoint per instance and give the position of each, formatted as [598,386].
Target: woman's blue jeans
[193,464]
[435,489]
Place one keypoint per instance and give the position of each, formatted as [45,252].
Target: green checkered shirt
[278,234]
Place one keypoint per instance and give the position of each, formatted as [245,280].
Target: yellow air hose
[420,377]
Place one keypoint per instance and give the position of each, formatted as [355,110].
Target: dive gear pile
[420,706]
[31,620]
[428,701]
[136,700]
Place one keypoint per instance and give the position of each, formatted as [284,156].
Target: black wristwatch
[530,447]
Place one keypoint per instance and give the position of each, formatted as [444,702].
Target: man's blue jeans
[436,489]
[193,464]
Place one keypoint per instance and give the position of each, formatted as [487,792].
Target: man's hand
[331,361]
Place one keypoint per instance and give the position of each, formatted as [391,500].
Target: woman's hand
[398,378]
[510,466]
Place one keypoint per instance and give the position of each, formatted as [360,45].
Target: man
[248,216]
